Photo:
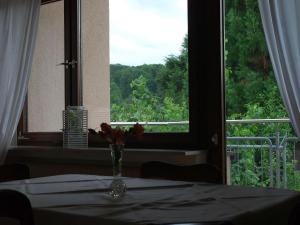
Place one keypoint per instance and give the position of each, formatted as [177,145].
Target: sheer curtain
[18,29]
[281,23]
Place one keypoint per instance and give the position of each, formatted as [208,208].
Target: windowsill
[36,154]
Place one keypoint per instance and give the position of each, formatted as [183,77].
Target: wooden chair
[199,172]
[15,205]
[17,171]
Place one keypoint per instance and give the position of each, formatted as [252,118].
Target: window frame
[206,85]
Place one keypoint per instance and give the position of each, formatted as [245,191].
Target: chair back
[15,205]
[17,171]
[198,172]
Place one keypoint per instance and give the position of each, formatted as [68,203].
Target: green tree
[155,92]
[249,75]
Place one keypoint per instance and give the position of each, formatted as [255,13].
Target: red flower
[138,129]
[106,128]
[117,135]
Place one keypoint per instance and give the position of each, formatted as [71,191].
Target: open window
[89,22]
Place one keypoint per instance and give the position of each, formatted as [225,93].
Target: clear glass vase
[117,186]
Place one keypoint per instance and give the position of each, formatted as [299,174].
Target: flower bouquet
[117,136]
[116,139]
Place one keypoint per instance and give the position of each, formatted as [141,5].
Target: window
[134,53]
[205,85]
[149,64]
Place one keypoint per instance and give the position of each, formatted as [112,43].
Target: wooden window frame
[206,86]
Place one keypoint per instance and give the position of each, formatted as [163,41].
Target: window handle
[68,63]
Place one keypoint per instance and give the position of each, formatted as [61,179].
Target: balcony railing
[260,152]
[264,153]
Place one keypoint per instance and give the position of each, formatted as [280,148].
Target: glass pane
[135,64]
[149,64]
[46,98]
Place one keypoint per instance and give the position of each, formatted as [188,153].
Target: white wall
[95,62]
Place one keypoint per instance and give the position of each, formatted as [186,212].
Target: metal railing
[272,154]
[144,123]
[234,150]
[185,122]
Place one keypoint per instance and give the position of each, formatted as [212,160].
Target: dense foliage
[155,92]
[250,81]
[160,93]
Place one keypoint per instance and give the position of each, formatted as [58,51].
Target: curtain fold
[281,23]
[18,29]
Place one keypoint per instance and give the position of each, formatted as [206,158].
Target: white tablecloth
[84,200]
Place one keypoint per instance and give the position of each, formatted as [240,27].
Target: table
[82,199]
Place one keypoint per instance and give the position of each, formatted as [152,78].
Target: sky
[146,31]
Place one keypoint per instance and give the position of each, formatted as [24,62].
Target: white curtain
[281,23]
[18,29]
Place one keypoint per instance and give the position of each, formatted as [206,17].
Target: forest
[159,92]
[156,92]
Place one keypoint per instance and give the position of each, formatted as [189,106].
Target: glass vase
[117,186]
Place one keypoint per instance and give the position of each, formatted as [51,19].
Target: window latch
[72,63]
[68,63]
